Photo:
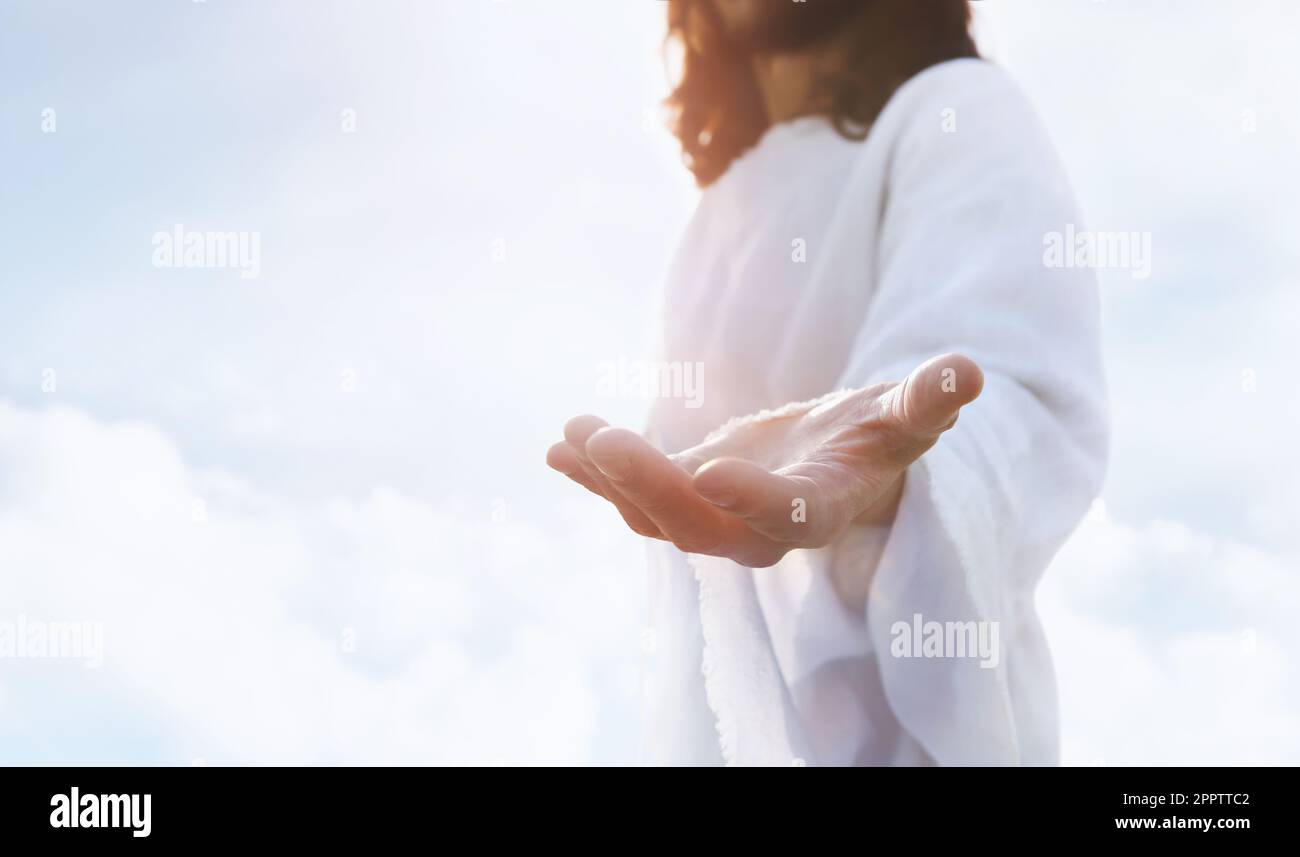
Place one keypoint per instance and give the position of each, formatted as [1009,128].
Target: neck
[884,44]
[786,81]
[785,84]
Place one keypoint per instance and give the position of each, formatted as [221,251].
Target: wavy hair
[716,110]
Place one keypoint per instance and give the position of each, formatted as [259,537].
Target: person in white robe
[902,419]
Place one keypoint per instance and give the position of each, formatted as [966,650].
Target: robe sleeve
[974,194]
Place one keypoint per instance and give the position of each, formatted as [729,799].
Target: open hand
[763,485]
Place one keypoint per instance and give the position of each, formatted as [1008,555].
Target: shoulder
[963,118]
[937,98]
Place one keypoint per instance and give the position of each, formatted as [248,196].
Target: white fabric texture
[925,238]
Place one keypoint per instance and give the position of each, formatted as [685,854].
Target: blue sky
[236,477]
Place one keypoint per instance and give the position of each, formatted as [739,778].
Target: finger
[663,491]
[576,433]
[561,457]
[927,402]
[896,426]
[781,507]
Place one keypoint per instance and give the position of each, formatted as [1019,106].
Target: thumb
[927,402]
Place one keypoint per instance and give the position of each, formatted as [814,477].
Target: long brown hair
[717,112]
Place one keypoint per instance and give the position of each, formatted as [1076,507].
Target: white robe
[927,237]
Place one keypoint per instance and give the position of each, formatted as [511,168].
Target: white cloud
[224,621]
[1173,648]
